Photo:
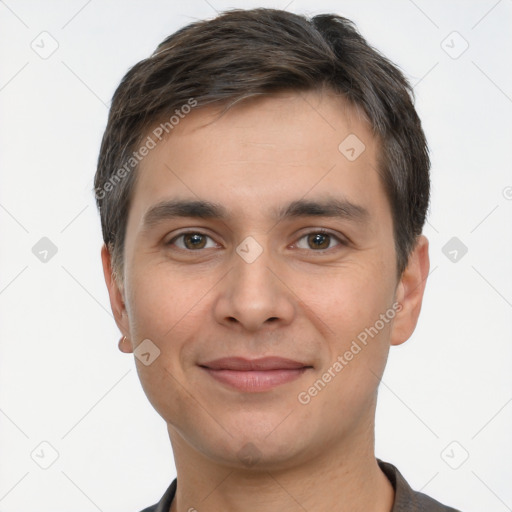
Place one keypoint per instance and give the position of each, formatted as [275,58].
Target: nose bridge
[252,295]
[253,279]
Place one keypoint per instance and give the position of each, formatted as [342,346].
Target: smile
[256,375]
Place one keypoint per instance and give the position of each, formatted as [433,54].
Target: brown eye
[319,241]
[192,241]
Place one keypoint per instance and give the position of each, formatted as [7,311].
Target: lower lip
[257,380]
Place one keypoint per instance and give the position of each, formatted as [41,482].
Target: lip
[254,375]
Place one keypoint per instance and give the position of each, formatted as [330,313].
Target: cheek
[348,298]
[346,306]
[167,311]
[162,303]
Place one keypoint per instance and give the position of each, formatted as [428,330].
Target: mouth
[254,375]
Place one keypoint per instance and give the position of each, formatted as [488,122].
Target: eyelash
[340,241]
[320,231]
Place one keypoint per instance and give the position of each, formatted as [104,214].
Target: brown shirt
[406,500]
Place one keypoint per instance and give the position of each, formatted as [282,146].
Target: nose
[253,295]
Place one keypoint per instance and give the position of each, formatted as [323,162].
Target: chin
[257,449]
[254,456]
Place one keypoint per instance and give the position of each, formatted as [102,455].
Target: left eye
[193,241]
[318,241]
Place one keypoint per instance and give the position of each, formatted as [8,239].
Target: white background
[62,377]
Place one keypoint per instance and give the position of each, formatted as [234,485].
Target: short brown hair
[244,53]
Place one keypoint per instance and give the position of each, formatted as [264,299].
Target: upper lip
[262,364]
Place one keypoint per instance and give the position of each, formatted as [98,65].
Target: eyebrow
[167,210]
[335,208]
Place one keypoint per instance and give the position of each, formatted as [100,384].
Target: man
[263,183]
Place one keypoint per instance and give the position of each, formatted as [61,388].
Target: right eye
[192,241]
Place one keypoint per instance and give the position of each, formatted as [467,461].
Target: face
[260,263]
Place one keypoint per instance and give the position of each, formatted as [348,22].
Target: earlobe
[124,345]
[410,292]
[116,299]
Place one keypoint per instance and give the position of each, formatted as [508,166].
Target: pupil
[319,240]
[195,241]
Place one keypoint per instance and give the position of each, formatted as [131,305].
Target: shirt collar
[406,500]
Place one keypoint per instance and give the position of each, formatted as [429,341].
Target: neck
[344,478]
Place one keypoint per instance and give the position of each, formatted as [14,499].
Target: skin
[295,301]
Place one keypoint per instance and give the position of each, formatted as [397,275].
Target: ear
[410,292]
[117,304]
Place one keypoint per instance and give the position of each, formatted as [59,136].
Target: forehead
[264,152]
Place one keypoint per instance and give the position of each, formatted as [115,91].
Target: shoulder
[165,502]
[406,499]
